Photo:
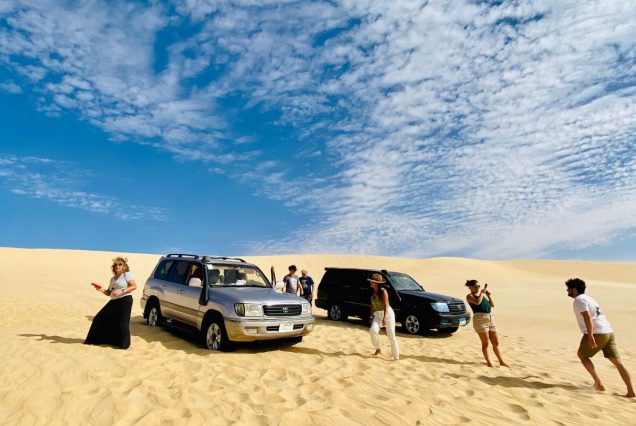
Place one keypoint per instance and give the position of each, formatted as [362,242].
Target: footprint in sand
[518,409]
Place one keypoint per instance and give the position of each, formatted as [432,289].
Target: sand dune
[49,377]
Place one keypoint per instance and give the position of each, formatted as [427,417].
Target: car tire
[213,335]
[294,340]
[336,312]
[412,323]
[153,314]
[449,330]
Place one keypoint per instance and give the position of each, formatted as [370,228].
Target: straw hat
[377,278]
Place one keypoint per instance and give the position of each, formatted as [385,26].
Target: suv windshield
[235,275]
[404,282]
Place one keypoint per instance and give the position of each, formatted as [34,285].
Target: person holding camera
[481,302]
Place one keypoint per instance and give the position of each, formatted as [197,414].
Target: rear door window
[164,268]
[179,272]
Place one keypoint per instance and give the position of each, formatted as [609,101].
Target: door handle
[164,287]
[180,292]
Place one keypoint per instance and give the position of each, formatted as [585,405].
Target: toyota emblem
[285,309]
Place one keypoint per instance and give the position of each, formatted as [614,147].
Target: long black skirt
[111,325]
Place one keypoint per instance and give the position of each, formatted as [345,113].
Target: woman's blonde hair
[120,260]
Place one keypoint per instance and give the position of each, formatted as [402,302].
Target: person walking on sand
[291,281]
[111,325]
[382,315]
[597,334]
[481,302]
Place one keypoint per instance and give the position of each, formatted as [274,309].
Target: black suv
[346,291]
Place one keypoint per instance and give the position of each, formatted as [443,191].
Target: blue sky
[488,129]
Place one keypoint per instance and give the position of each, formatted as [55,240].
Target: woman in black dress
[111,325]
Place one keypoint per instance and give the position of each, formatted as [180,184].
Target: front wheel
[412,323]
[449,330]
[214,335]
[336,313]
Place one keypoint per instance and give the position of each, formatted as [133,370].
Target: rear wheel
[214,336]
[153,315]
[336,312]
[412,323]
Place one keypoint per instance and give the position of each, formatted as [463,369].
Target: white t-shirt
[120,283]
[600,324]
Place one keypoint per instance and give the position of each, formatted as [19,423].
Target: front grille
[457,308]
[282,310]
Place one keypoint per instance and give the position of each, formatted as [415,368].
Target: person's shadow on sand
[55,339]
[519,382]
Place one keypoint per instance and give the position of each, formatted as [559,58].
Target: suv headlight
[248,309]
[440,306]
[306,308]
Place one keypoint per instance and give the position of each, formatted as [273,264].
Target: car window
[404,282]
[362,281]
[178,273]
[351,278]
[162,271]
[331,278]
[236,275]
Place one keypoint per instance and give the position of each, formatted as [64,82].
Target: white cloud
[47,179]
[11,87]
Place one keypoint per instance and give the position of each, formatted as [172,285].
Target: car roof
[381,271]
[208,259]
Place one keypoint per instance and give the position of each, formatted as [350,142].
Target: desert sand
[50,377]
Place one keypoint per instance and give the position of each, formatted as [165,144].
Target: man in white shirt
[597,334]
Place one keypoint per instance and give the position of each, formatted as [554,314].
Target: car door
[159,285]
[175,288]
[360,294]
[189,294]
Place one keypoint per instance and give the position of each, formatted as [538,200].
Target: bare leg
[484,347]
[495,347]
[624,375]
[587,363]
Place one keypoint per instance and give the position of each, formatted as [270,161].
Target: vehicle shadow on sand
[188,340]
[364,325]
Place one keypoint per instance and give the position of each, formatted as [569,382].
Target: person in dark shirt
[481,302]
[307,284]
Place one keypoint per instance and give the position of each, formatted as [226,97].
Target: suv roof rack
[208,259]
[194,256]
[357,269]
[204,259]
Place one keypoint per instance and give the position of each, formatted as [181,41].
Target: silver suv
[224,299]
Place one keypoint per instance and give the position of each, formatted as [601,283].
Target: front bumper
[249,330]
[450,320]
